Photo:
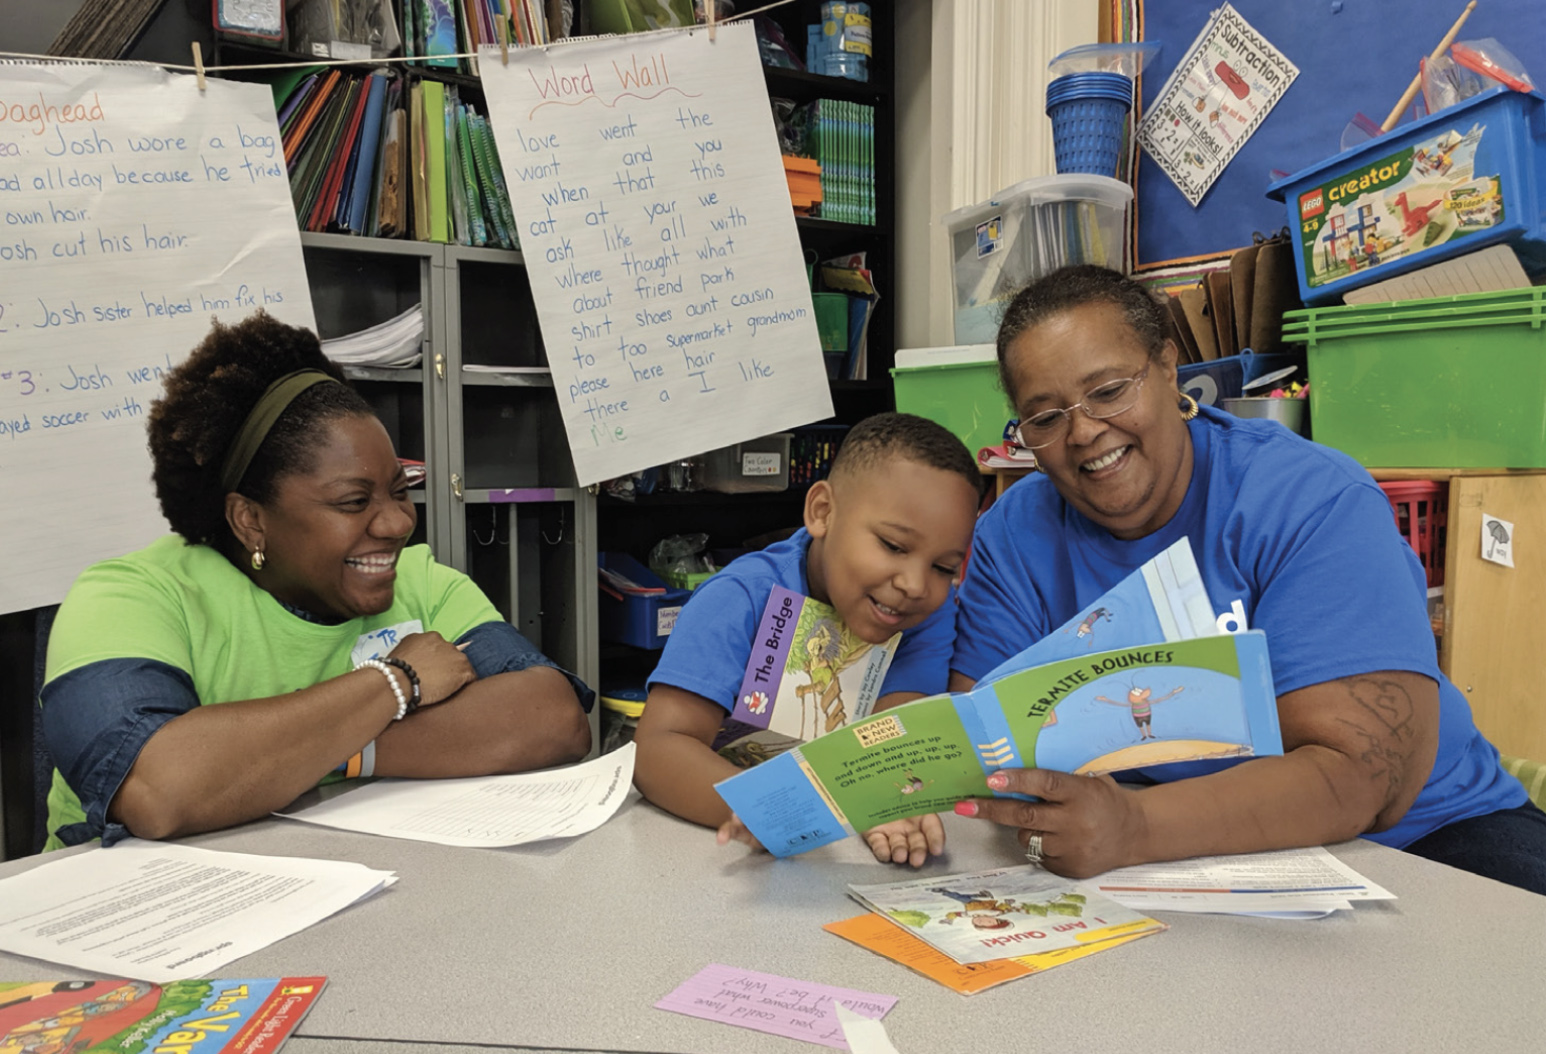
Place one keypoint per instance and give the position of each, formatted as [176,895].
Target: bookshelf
[499,501]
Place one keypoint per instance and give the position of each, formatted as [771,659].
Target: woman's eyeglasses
[1102,401]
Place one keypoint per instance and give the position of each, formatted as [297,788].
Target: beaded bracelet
[397,689]
[413,677]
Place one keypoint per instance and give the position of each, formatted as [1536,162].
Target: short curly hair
[207,398]
[882,437]
[1072,287]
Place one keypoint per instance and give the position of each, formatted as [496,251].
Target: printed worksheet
[484,811]
[154,911]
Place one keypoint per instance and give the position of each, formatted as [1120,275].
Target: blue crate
[1468,176]
[1210,383]
[644,622]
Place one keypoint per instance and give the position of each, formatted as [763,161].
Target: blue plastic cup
[1089,115]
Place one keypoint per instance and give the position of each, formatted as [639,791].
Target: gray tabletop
[567,945]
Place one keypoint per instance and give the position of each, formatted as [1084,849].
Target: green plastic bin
[1446,382]
[956,387]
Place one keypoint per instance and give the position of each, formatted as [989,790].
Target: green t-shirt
[187,606]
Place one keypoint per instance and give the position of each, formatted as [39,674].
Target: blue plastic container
[1210,383]
[1469,176]
[643,621]
[1089,116]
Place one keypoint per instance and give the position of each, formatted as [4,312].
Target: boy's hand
[733,830]
[909,841]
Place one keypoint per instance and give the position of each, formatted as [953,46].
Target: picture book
[879,935]
[808,675]
[252,1016]
[1001,913]
[1142,676]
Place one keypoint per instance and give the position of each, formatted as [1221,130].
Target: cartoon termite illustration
[912,785]
[1140,703]
[1086,628]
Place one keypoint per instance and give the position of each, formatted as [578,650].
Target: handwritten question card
[654,215]
[133,209]
[766,1002]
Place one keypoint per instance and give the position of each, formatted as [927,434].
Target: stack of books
[436,31]
[973,931]
[391,157]
[842,140]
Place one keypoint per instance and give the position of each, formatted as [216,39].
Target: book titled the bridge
[250,1016]
[807,675]
[1167,687]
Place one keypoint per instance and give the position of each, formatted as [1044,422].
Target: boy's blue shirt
[709,647]
[1294,536]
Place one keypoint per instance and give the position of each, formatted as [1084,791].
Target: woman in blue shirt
[1291,538]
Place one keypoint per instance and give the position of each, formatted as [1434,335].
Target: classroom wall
[970,124]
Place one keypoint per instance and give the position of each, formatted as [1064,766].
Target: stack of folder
[386,156]
[842,140]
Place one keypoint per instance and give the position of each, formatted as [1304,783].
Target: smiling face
[331,536]
[1127,473]
[887,542]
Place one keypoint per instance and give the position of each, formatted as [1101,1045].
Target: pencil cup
[1089,115]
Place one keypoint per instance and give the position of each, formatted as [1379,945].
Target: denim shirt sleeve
[497,647]
[96,720]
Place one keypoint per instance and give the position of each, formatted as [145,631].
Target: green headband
[271,405]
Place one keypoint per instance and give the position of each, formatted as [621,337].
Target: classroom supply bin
[1447,382]
[999,246]
[1211,382]
[621,709]
[1421,507]
[756,465]
[1469,176]
[956,387]
[1088,109]
[1287,412]
[643,621]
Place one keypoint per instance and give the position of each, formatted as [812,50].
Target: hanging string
[365,62]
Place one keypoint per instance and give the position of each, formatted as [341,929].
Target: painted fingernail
[966,808]
[998,781]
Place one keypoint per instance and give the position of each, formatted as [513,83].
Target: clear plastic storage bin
[745,468]
[999,246]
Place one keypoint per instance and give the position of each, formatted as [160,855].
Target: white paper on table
[1288,880]
[484,811]
[156,911]
[864,1035]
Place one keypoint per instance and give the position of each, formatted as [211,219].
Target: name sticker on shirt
[379,642]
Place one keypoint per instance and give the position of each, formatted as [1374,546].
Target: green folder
[435,159]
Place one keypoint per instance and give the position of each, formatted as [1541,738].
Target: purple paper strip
[500,497]
[770,652]
[782,1006]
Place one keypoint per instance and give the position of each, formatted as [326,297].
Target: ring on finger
[1033,848]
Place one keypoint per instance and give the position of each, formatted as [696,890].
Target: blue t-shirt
[1292,538]
[711,642]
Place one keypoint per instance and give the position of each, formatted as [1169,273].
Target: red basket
[1420,507]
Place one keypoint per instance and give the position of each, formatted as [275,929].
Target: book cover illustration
[1184,698]
[1001,913]
[251,1016]
[808,675]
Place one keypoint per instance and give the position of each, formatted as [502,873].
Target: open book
[1165,686]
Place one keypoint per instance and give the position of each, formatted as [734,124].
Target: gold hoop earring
[257,559]
[1188,411]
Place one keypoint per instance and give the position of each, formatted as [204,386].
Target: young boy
[884,541]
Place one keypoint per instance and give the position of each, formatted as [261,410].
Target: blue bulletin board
[1353,55]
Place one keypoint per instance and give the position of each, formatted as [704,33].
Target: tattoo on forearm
[1382,722]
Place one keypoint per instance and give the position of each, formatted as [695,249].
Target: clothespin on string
[504,42]
[198,64]
[711,7]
